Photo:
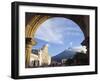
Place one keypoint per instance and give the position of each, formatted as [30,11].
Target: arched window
[35,63]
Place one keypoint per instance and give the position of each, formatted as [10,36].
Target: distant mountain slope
[66,54]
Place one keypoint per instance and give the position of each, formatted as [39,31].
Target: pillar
[29,42]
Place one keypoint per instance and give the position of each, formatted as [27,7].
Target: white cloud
[49,34]
[80,49]
[71,44]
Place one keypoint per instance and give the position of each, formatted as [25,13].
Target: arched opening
[33,26]
[34,63]
[59,33]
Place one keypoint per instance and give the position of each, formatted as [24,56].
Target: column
[29,42]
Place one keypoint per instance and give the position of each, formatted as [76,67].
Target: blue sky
[59,33]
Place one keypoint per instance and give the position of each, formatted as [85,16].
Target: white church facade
[40,57]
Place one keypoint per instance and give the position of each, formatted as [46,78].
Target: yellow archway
[30,30]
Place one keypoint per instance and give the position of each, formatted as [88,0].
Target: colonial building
[40,57]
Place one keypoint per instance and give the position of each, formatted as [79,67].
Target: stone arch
[37,20]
